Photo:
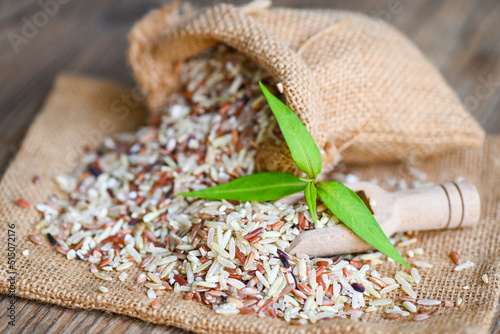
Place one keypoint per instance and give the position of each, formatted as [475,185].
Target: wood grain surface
[460,37]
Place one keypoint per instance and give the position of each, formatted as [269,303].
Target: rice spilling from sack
[122,211]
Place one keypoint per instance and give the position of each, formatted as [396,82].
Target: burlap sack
[80,111]
[357,84]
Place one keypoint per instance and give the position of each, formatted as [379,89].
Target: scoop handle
[450,205]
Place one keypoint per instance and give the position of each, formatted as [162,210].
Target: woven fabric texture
[363,90]
[79,111]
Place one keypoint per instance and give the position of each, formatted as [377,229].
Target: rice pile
[122,211]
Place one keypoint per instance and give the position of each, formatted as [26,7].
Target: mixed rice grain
[122,211]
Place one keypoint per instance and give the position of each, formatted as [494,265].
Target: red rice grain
[456,257]
[23,203]
[421,316]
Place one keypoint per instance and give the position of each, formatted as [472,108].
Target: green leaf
[310,194]
[352,211]
[255,187]
[302,147]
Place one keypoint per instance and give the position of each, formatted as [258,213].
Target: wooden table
[461,37]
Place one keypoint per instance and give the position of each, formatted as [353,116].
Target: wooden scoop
[446,206]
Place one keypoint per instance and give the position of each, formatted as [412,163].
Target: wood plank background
[461,37]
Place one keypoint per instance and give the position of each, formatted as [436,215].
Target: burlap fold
[357,84]
[79,111]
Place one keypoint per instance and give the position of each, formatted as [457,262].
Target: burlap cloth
[362,89]
[80,110]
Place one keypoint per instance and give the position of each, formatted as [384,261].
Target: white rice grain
[151,294]
[389,288]
[410,306]
[415,275]
[465,265]
[428,302]
[103,289]
[422,264]
[122,276]
[381,302]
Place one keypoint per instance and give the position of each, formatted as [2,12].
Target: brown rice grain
[36,239]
